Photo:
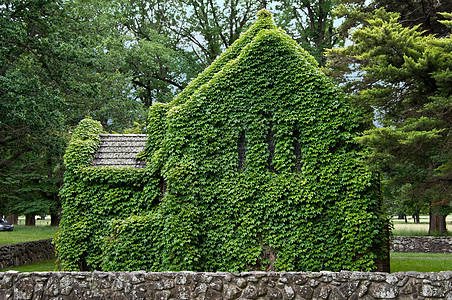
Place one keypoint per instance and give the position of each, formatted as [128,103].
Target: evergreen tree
[425,13]
[402,78]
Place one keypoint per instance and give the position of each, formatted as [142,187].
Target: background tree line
[111,59]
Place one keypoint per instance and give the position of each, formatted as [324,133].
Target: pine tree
[402,78]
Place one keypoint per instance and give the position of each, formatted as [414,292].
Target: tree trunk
[30,220]
[13,219]
[437,224]
[55,220]
[416,218]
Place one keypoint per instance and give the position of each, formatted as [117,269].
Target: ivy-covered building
[252,167]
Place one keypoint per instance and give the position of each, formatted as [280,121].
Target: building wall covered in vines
[253,167]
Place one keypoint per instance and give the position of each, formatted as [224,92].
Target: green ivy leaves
[252,167]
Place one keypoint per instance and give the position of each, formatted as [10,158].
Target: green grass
[421,255]
[420,265]
[421,262]
[412,229]
[42,266]
[23,233]
[400,262]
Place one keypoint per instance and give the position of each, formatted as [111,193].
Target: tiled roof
[120,150]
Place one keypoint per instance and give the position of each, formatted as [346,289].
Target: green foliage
[426,14]
[31,120]
[157,112]
[130,247]
[58,63]
[83,146]
[405,80]
[199,31]
[61,61]
[155,241]
[30,145]
[91,197]
[311,24]
[252,167]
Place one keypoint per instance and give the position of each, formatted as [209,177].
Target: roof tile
[120,150]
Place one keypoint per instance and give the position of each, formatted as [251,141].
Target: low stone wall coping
[16,255]
[223,285]
[422,244]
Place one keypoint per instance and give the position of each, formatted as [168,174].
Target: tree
[67,48]
[403,78]
[30,122]
[311,23]
[190,35]
[56,67]
[424,13]
[207,27]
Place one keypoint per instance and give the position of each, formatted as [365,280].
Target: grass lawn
[23,233]
[400,262]
[412,229]
[42,266]
[421,262]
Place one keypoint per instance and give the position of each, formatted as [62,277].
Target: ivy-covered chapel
[253,166]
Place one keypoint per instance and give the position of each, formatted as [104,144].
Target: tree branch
[7,162]
[215,18]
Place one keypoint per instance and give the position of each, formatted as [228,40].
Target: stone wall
[427,244]
[254,285]
[16,255]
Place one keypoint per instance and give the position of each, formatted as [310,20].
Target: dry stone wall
[253,285]
[15,255]
[426,244]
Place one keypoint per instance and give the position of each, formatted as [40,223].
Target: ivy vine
[252,167]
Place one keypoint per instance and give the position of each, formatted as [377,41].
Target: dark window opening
[162,187]
[271,148]
[241,148]
[297,150]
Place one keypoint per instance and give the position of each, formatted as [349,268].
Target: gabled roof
[120,150]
